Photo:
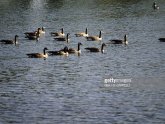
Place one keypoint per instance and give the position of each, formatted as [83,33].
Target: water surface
[72,89]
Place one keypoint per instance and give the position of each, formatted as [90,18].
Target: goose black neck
[43,29]
[102,48]
[78,47]
[38,32]
[86,31]
[44,51]
[125,38]
[100,34]
[67,38]
[15,39]
[62,30]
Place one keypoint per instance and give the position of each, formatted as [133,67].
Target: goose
[71,50]
[95,38]
[33,35]
[56,34]
[60,52]
[63,38]
[155,6]
[162,39]
[82,34]
[15,41]
[38,55]
[94,49]
[27,34]
[118,41]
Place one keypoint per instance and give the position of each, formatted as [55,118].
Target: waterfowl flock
[60,36]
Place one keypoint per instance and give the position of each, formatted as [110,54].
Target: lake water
[125,85]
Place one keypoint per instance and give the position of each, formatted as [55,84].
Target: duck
[155,6]
[71,50]
[39,55]
[94,38]
[161,39]
[15,41]
[63,51]
[118,41]
[57,34]
[82,34]
[94,49]
[63,38]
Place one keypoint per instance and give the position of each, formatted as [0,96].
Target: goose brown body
[162,39]
[10,41]
[63,51]
[119,41]
[82,34]
[38,55]
[94,49]
[57,34]
[72,50]
[63,38]
[94,38]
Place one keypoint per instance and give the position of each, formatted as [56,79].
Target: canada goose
[38,55]
[63,38]
[118,41]
[27,34]
[71,50]
[82,34]
[155,6]
[33,35]
[15,41]
[59,52]
[94,49]
[95,38]
[162,39]
[56,34]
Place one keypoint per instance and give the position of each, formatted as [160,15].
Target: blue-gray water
[72,90]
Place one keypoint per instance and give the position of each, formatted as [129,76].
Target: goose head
[66,49]
[16,36]
[79,44]
[67,34]
[44,50]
